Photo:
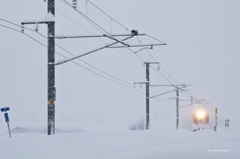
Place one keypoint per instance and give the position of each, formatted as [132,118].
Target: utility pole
[177,88]
[191,101]
[177,108]
[50,21]
[51,71]
[216,112]
[147,92]
[51,62]
[147,95]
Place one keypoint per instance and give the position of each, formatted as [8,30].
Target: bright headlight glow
[200,114]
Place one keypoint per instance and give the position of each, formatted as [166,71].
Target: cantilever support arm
[111,37]
[92,51]
[92,36]
[142,45]
[165,93]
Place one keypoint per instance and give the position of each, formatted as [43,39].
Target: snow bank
[106,142]
[24,130]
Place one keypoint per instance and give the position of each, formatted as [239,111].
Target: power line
[30,38]
[107,15]
[101,75]
[10,28]
[73,21]
[132,57]
[126,84]
[24,34]
[159,64]
[16,24]
[155,39]
[157,60]
[103,30]
[64,50]
[96,25]
[95,67]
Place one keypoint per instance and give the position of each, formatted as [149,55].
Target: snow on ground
[114,140]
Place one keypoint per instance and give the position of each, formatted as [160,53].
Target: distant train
[200,119]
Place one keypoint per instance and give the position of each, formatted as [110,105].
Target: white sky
[202,49]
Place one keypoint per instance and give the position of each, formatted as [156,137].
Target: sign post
[5,109]
[216,112]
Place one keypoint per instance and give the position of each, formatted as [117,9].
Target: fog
[202,50]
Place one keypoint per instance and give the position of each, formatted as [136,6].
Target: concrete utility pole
[177,108]
[177,87]
[147,96]
[51,71]
[51,62]
[51,55]
[147,92]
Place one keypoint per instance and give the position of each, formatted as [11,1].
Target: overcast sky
[202,49]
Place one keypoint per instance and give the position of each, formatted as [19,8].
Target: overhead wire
[7,21]
[61,48]
[99,28]
[72,20]
[161,67]
[30,38]
[108,15]
[155,60]
[140,58]
[95,67]
[124,83]
[128,55]
[23,33]
[84,61]
[155,39]
[94,24]
[114,21]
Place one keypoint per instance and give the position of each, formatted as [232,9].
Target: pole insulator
[74,4]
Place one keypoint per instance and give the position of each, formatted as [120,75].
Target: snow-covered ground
[114,140]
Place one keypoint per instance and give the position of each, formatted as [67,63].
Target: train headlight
[201,114]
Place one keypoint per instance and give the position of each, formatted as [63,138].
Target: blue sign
[5,109]
[6,117]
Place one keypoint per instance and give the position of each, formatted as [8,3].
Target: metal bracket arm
[92,51]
